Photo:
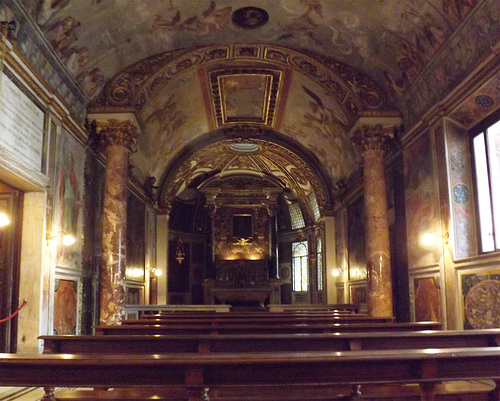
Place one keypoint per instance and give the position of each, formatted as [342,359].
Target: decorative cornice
[115,133]
[135,85]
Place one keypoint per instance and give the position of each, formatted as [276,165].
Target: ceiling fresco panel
[315,119]
[172,119]
[392,40]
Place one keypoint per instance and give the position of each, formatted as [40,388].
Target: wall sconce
[155,271]
[336,272]
[4,219]
[179,251]
[312,258]
[429,239]
[67,239]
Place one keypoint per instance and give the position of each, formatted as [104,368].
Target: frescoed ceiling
[298,70]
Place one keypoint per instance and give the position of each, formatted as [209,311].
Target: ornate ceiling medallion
[250,17]
[245,95]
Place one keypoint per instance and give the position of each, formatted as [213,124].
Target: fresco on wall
[340,241]
[478,105]
[65,307]
[421,203]
[460,181]
[481,297]
[427,294]
[356,240]
[33,47]
[136,234]
[68,200]
[448,67]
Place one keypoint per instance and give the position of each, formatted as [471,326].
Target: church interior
[217,155]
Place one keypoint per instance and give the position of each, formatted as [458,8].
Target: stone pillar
[117,138]
[371,141]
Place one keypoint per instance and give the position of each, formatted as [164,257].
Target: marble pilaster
[371,141]
[117,139]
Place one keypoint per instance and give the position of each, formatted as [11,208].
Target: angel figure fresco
[329,124]
[303,26]
[212,20]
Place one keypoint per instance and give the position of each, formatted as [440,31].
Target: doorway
[10,239]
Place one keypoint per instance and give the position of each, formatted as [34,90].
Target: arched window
[300,266]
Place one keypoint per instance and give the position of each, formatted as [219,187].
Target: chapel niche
[243,219]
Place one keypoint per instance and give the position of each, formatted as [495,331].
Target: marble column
[117,138]
[371,141]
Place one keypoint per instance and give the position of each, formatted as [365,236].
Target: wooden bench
[137,311]
[125,344]
[263,328]
[252,320]
[285,372]
[350,308]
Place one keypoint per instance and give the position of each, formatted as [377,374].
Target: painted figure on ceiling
[458,8]
[46,9]
[91,81]
[75,59]
[212,20]
[62,34]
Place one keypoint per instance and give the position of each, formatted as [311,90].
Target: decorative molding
[271,79]
[135,85]
[116,133]
[372,137]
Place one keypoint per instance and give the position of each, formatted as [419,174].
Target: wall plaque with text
[21,124]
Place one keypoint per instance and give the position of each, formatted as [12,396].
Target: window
[296,217]
[319,263]
[300,266]
[314,206]
[486,148]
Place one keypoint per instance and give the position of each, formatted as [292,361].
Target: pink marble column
[117,138]
[371,141]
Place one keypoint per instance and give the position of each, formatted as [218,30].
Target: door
[10,234]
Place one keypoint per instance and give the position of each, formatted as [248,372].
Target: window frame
[482,128]
[304,265]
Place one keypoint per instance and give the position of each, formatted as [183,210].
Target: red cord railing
[15,313]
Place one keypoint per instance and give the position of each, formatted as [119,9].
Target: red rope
[15,313]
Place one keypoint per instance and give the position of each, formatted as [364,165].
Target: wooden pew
[252,320]
[263,328]
[114,344]
[288,372]
[350,308]
[139,311]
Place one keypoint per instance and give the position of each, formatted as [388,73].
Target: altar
[256,295]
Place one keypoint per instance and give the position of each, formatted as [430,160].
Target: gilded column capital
[372,137]
[116,133]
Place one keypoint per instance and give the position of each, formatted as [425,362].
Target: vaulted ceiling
[285,78]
